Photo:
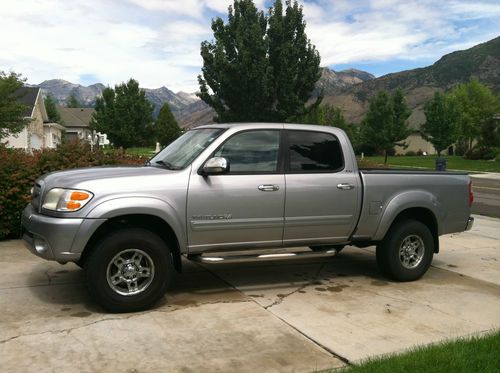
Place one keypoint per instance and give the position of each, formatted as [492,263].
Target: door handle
[345,186]
[268,188]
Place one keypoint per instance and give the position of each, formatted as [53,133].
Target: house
[40,132]
[77,122]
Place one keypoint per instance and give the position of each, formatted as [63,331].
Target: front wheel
[129,270]
[406,252]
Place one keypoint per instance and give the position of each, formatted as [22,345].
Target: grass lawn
[454,163]
[145,152]
[476,354]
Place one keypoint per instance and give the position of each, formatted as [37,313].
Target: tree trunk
[385,159]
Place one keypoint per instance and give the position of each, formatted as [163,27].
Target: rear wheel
[406,252]
[129,270]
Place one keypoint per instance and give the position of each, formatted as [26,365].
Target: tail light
[471,196]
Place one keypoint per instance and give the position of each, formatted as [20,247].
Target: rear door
[321,194]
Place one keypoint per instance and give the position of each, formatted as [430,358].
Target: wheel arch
[422,215]
[149,222]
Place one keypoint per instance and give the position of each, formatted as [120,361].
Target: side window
[314,152]
[252,151]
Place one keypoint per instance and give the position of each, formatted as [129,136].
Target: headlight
[58,199]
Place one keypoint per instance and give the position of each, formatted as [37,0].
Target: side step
[261,257]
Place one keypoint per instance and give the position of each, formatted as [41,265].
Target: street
[486,196]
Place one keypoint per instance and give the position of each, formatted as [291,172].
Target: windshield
[186,148]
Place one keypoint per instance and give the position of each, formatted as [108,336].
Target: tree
[50,108]
[477,107]
[124,114]
[12,113]
[72,101]
[386,123]
[252,72]
[293,59]
[440,127]
[328,115]
[166,128]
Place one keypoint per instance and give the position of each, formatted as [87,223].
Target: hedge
[19,170]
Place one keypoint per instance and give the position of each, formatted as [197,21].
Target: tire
[129,270]
[326,248]
[406,252]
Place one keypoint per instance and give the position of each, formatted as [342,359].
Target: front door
[244,207]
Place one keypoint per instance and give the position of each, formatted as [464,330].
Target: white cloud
[157,41]
[379,30]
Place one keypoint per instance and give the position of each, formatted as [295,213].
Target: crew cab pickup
[255,188]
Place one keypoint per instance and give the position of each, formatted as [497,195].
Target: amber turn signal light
[79,196]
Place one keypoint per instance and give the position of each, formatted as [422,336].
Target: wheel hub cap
[411,251]
[130,272]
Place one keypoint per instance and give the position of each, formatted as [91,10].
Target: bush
[19,170]
[482,152]
[411,153]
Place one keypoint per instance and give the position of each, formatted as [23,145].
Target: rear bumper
[48,237]
[470,223]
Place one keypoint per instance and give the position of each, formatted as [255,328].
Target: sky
[157,42]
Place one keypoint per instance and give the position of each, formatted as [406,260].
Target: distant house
[39,133]
[77,122]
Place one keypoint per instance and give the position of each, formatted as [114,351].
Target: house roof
[27,96]
[75,117]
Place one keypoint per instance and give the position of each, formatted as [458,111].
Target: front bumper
[48,237]
[470,223]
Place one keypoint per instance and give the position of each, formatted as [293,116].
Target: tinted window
[252,151]
[314,152]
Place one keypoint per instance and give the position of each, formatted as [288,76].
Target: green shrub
[411,153]
[19,170]
[482,152]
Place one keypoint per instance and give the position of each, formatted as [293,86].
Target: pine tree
[252,72]
[12,118]
[440,127]
[51,109]
[72,101]
[124,114]
[166,128]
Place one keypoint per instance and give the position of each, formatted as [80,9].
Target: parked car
[232,187]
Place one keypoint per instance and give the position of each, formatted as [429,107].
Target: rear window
[314,152]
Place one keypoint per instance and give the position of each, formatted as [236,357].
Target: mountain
[332,81]
[189,110]
[481,61]
[60,90]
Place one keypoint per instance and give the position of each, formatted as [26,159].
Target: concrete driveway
[276,316]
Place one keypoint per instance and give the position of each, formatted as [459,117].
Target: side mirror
[216,166]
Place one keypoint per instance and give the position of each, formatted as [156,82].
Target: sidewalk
[486,175]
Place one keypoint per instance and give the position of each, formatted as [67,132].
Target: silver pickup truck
[251,188]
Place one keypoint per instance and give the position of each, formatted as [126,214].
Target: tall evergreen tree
[51,109]
[386,123]
[124,114]
[12,118]
[293,59]
[72,101]
[166,129]
[440,127]
[252,72]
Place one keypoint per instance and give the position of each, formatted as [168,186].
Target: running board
[261,257]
